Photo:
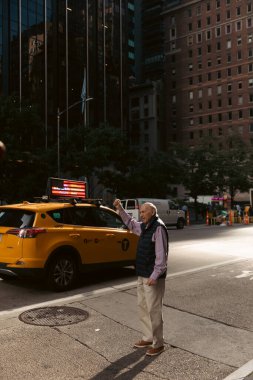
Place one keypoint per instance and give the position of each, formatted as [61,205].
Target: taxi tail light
[26,232]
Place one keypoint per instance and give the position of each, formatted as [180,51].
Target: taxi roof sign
[66,188]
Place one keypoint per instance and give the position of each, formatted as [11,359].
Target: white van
[167,210]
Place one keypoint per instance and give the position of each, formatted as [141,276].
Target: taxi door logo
[125,244]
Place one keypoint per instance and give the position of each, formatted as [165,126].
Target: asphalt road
[208,313]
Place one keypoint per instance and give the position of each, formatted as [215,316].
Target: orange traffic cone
[246,218]
[187,218]
[207,218]
[230,221]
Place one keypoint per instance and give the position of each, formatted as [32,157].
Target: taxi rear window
[16,218]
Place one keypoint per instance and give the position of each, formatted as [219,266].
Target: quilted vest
[145,257]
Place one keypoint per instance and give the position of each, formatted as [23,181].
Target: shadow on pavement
[132,364]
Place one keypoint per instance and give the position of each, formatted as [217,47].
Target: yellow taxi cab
[61,240]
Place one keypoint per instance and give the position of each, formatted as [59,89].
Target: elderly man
[151,268]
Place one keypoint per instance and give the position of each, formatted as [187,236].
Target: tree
[234,168]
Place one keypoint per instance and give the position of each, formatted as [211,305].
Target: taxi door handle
[110,235]
[75,236]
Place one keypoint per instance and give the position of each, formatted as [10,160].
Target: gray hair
[151,205]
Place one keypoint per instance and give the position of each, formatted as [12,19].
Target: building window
[191,108]
[250,38]
[210,119]
[219,90]
[250,98]
[218,60]
[229,72]
[200,120]
[230,101]
[251,112]
[238,25]
[229,115]
[228,29]
[200,78]
[218,31]
[200,106]
[209,104]
[189,40]
[238,11]
[209,91]
[200,133]
[250,52]
[174,99]
[210,132]
[220,131]
[249,22]
[199,65]
[191,122]
[208,20]
[199,24]
[240,100]
[209,48]
[218,74]
[198,10]
[218,46]
[199,37]
[191,95]
[217,3]
[190,66]
[208,6]
[209,76]
[240,114]
[218,17]
[249,7]
[229,87]
[208,34]
[219,116]
[191,135]
[239,40]
[229,44]
[190,27]
[228,14]
[190,81]
[251,128]
[200,93]
[239,69]
[209,63]
[239,85]
[239,54]
[219,103]
[190,53]
[199,51]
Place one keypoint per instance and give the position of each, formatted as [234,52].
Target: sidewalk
[101,346]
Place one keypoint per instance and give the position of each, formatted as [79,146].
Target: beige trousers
[150,302]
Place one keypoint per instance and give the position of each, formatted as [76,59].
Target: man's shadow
[125,363]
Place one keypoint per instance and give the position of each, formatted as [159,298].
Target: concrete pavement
[101,346]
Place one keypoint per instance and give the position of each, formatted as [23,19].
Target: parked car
[61,240]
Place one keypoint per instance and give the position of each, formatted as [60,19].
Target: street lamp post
[59,113]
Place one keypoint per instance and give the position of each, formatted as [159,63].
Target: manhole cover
[54,316]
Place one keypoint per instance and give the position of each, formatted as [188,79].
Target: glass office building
[52,51]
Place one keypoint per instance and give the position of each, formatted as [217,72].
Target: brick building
[209,70]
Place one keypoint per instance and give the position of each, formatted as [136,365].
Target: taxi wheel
[62,272]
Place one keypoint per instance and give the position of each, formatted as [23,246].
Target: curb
[243,373]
